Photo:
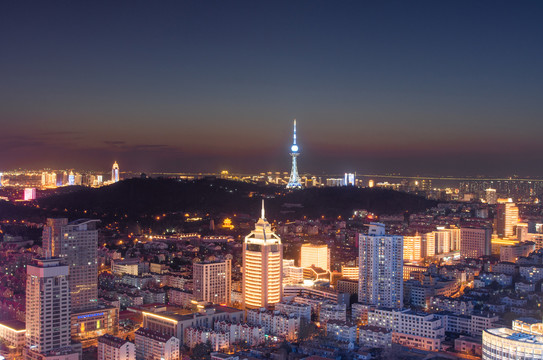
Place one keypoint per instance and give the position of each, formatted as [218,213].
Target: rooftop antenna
[262,215]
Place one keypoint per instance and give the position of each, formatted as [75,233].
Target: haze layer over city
[236,180]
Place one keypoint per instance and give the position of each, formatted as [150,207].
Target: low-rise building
[152,344]
[330,311]
[343,331]
[374,336]
[114,348]
[275,323]
[291,307]
[219,340]
[252,335]
[12,333]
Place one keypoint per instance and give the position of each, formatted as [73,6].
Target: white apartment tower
[262,266]
[380,268]
[318,255]
[213,281]
[47,308]
[76,243]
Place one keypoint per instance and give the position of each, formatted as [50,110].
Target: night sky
[416,87]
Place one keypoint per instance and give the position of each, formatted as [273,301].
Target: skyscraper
[76,243]
[506,219]
[48,310]
[294,180]
[380,280]
[115,172]
[213,281]
[318,255]
[262,266]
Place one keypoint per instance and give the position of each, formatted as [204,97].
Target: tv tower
[294,180]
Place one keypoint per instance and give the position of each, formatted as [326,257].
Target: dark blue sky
[417,87]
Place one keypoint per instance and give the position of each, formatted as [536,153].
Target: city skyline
[194,87]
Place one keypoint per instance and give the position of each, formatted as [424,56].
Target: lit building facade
[506,219]
[77,244]
[380,268]
[115,172]
[505,343]
[213,281]
[262,266]
[475,242]
[317,255]
[12,334]
[48,310]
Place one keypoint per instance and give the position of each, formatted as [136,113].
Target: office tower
[76,243]
[262,266]
[506,219]
[114,348]
[213,281]
[71,178]
[381,268]
[349,179]
[30,194]
[318,255]
[475,242]
[115,172]
[294,180]
[1,174]
[491,196]
[47,308]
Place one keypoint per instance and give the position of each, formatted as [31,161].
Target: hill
[142,197]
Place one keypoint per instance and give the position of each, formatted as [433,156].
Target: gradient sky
[417,87]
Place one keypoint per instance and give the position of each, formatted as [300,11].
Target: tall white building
[380,259]
[76,243]
[115,172]
[48,310]
[212,281]
[318,255]
[262,266]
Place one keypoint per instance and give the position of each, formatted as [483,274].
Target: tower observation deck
[294,180]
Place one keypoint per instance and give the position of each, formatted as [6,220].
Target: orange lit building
[262,266]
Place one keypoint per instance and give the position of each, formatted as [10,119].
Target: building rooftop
[112,340]
[510,334]
[155,335]
[14,325]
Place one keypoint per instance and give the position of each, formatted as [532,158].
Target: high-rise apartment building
[76,243]
[506,219]
[475,242]
[262,266]
[318,255]
[381,268]
[213,281]
[48,310]
[412,247]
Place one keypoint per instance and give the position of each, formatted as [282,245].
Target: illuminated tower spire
[294,180]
